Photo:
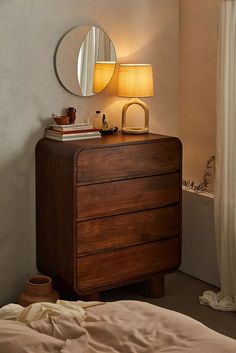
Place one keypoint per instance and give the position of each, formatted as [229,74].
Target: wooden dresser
[108,212]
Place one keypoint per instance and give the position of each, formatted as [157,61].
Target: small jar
[38,289]
[97,120]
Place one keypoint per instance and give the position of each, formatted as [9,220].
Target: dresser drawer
[128,161]
[127,265]
[106,199]
[128,229]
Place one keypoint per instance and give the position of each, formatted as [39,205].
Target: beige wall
[198,59]
[142,31]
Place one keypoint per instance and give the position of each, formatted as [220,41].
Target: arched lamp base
[135,130]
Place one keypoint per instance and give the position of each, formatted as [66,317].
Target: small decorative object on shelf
[70,132]
[104,122]
[71,113]
[38,289]
[97,120]
[111,131]
[105,130]
[61,120]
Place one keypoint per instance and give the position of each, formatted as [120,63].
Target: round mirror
[85,60]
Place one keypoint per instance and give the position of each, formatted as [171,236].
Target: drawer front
[127,265]
[129,229]
[123,162]
[106,199]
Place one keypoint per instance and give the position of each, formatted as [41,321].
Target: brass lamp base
[135,130]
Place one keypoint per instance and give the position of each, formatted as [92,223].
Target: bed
[121,326]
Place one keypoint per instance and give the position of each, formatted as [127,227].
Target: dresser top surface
[111,140]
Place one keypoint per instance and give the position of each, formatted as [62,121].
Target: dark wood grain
[54,211]
[154,287]
[116,140]
[152,159]
[126,265]
[101,200]
[100,226]
[127,229]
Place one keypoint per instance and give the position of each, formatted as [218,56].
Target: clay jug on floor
[38,289]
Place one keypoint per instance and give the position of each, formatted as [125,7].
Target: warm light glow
[103,72]
[135,80]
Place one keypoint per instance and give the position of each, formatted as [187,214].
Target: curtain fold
[96,46]
[225,185]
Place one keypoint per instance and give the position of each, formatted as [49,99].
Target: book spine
[95,133]
[62,132]
[69,127]
[61,138]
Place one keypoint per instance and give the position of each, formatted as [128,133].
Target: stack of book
[71,132]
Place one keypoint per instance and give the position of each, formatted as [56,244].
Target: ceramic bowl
[62,120]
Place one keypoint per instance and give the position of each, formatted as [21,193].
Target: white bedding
[123,326]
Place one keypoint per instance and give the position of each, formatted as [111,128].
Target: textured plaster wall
[142,32]
[198,68]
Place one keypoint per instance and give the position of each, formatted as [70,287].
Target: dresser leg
[154,287]
[91,297]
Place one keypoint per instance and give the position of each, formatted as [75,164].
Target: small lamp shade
[103,72]
[135,80]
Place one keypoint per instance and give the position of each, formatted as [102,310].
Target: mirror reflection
[85,60]
[96,62]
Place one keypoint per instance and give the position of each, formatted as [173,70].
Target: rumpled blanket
[45,310]
[122,326]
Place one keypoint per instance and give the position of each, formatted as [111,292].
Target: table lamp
[135,81]
[103,72]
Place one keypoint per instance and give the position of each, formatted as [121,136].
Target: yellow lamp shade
[103,72]
[135,80]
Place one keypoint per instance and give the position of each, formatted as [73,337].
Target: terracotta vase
[38,289]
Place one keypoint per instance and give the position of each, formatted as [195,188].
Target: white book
[79,126]
[70,138]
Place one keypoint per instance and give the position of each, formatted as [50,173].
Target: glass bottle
[97,120]
[104,122]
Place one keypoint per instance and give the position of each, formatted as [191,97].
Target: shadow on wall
[17,234]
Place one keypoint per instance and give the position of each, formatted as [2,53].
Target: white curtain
[96,46]
[86,61]
[225,187]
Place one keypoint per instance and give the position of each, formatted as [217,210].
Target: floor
[181,294]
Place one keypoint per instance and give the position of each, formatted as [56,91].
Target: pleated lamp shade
[135,80]
[103,72]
